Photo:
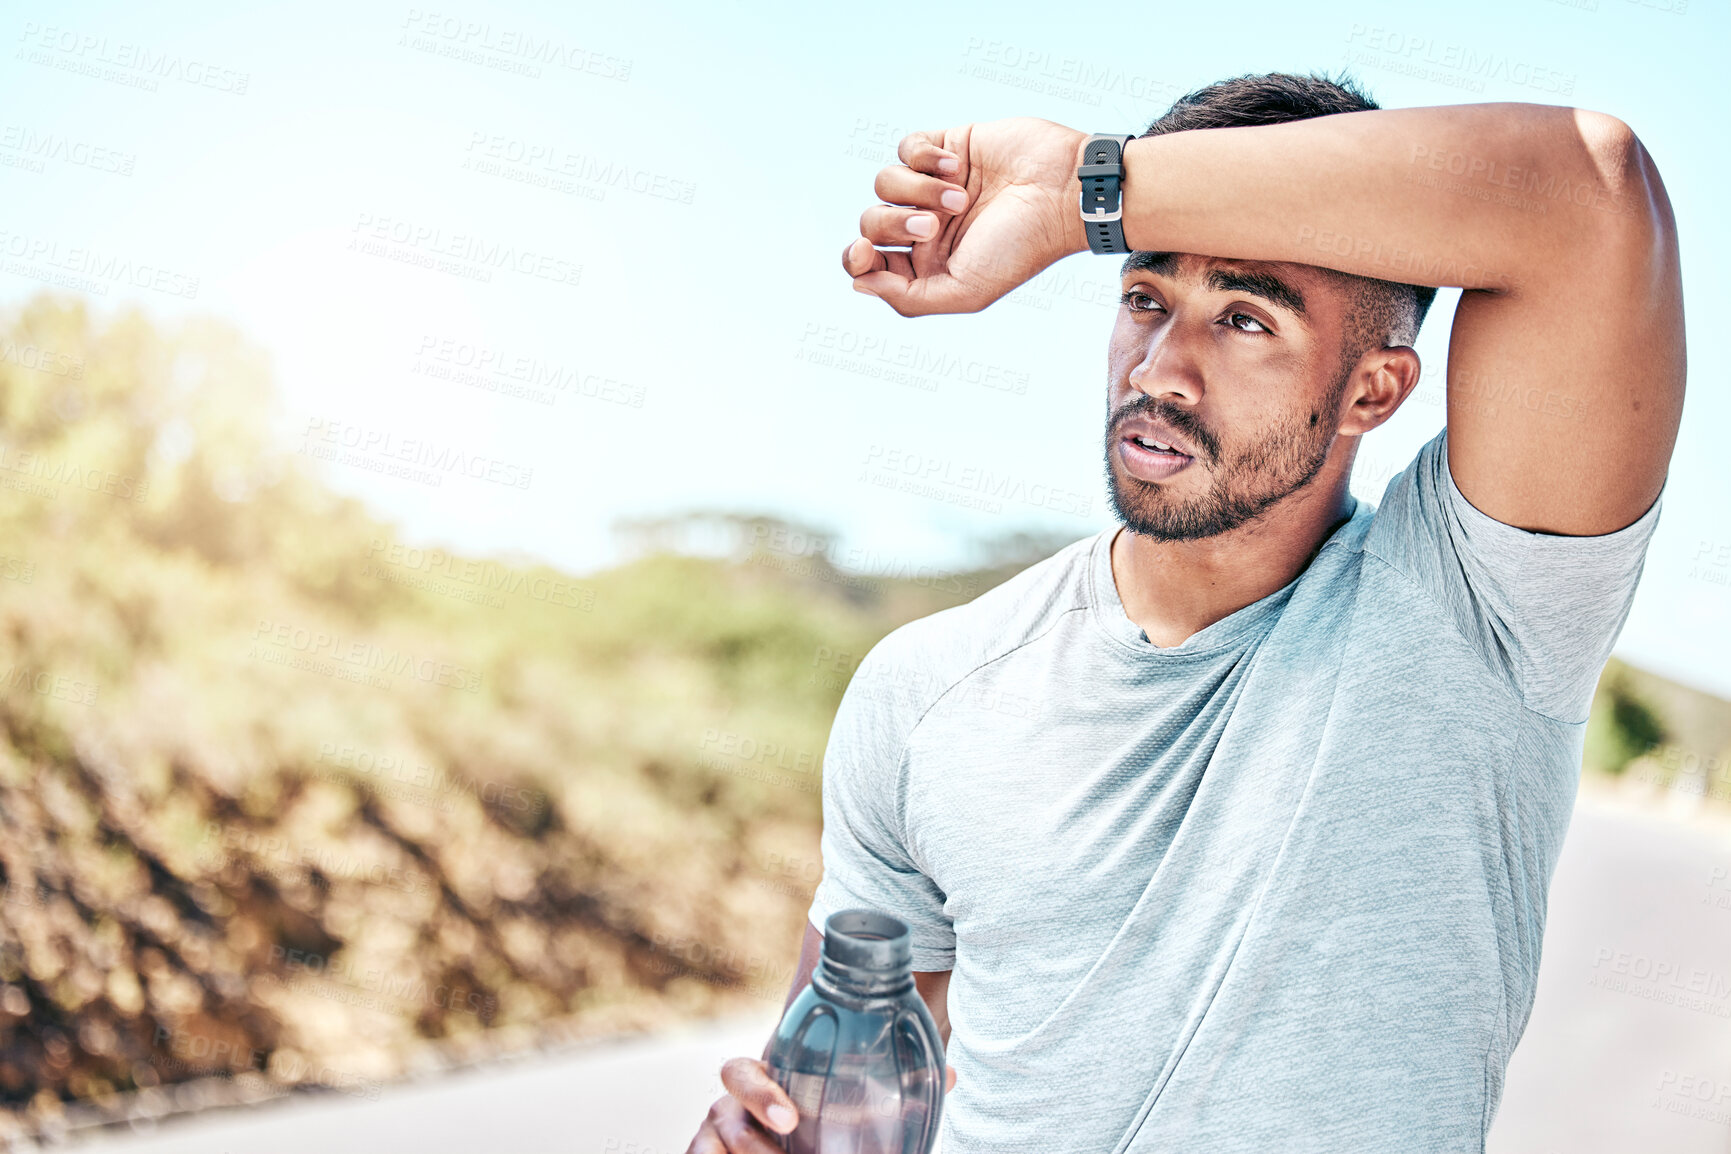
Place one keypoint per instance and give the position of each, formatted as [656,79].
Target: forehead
[1298,288]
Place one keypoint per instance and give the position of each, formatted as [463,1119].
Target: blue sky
[414,217]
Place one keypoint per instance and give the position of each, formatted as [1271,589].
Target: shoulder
[1409,501]
[1541,610]
[918,662]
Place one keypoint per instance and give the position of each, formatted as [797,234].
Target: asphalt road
[1628,1048]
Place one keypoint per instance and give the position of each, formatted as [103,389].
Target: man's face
[1235,363]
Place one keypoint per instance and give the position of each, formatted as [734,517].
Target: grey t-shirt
[1281,887]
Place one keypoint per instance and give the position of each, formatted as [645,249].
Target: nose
[1167,365]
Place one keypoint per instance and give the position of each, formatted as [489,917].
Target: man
[1264,868]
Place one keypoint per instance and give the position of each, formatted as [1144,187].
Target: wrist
[1076,232]
[1136,176]
[1102,188]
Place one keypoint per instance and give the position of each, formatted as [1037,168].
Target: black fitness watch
[1102,177]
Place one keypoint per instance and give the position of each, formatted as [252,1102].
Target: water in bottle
[857,1051]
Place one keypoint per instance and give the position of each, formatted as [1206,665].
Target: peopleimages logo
[505,152]
[509,49]
[37,147]
[86,269]
[482,575]
[1454,65]
[44,683]
[926,363]
[496,369]
[362,657]
[466,254]
[325,440]
[382,768]
[1037,69]
[947,479]
[134,65]
[1661,980]
[72,474]
[41,360]
[274,856]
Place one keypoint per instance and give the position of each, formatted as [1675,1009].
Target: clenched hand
[754,1110]
[998,200]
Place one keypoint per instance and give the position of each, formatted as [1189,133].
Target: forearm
[1487,196]
[810,949]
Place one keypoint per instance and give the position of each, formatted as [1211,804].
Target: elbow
[1636,209]
[1636,238]
[1613,149]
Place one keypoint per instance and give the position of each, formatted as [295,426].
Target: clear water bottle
[857,1051]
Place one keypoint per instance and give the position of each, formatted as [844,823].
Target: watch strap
[1102,176]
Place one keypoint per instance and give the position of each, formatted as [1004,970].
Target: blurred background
[447,482]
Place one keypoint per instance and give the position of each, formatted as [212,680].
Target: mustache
[1180,419]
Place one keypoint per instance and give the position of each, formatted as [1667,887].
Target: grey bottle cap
[867,940]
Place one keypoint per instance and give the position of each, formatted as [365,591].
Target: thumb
[752,1085]
[911,296]
[949,1078]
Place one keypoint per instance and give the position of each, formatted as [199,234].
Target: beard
[1246,479]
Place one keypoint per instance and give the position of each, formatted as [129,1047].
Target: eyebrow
[1158,263]
[1264,285]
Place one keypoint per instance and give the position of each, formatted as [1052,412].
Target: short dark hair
[1383,311]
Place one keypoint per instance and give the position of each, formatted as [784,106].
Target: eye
[1233,319]
[1132,295]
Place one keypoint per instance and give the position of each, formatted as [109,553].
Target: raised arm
[1566,362]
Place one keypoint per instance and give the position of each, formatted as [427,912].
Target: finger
[888,224]
[860,257]
[748,1080]
[926,152]
[708,1139]
[909,296]
[744,1136]
[949,1078]
[707,1142]
[901,185]
[734,1131]
[922,295]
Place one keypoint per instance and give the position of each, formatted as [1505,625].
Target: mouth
[1149,459]
[1152,450]
[1154,446]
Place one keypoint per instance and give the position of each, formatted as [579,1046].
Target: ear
[1381,380]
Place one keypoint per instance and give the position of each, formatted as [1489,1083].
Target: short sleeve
[1544,610]
[865,857]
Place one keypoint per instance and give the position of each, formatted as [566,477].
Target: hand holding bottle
[745,1120]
